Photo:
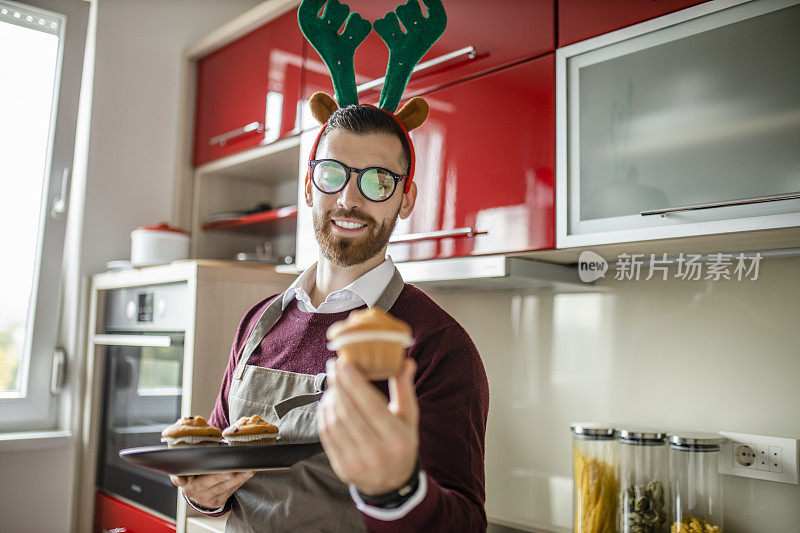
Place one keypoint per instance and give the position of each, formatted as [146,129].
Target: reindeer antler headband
[337,50]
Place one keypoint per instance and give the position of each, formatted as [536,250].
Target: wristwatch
[396,498]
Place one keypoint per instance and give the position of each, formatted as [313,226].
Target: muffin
[373,340]
[250,430]
[191,431]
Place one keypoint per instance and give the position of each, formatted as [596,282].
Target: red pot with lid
[158,245]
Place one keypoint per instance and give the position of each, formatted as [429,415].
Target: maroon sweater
[451,387]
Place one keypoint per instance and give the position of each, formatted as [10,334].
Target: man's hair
[363,120]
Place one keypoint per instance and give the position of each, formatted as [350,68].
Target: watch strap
[397,497]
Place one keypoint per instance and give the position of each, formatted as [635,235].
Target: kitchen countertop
[206,524]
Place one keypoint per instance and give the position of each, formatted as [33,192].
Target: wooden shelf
[263,223]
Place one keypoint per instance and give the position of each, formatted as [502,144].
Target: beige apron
[308,496]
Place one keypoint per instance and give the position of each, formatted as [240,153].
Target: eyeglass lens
[376,184]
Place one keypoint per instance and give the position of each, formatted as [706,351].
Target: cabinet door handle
[728,203]
[238,132]
[116,530]
[435,235]
[468,51]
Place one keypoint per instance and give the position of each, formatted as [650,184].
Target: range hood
[493,272]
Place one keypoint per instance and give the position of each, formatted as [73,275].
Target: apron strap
[268,319]
[391,292]
[283,407]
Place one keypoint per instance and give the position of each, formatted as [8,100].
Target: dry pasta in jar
[595,478]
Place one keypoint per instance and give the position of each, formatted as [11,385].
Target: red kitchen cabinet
[252,83]
[114,515]
[582,19]
[485,161]
[502,32]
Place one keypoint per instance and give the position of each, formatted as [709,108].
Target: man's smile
[348,225]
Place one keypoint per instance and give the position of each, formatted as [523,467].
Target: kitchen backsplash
[675,354]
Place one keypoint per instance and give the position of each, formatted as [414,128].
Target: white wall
[36,490]
[675,354]
[128,183]
[135,115]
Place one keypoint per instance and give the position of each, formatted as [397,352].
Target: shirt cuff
[388,515]
[204,510]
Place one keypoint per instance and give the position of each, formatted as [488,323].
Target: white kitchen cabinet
[684,125]
[219,294]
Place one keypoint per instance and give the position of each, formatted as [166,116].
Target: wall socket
[760,457]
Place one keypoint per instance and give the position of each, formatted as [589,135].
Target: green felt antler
[407,48]
[336,50]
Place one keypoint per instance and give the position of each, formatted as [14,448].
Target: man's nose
[350,196]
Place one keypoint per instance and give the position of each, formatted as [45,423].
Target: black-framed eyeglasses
[377,184]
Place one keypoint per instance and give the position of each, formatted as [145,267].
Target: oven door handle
[160,341]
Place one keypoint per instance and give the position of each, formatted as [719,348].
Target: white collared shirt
[365,290]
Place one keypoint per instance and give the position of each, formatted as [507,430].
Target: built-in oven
[143,355]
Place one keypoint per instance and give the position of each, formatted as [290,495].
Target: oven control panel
[163,307]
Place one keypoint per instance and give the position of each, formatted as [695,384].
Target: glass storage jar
[643,481]
[695,483]
[594,466]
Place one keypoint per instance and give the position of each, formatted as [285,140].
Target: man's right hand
[211,490]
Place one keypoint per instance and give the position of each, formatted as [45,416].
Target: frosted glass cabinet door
[694,116]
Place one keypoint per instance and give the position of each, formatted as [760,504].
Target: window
[39,87]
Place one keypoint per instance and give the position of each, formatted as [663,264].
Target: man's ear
[409,199]
[309,193]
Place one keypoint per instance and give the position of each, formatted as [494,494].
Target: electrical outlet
[744,455]
[775,459]
[760,457]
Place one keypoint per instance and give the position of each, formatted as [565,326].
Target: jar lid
[692,439]
[592,431]
[640,436]
[162,226]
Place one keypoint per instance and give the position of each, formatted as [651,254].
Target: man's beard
[349,251]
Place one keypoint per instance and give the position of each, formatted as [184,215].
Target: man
[415,463]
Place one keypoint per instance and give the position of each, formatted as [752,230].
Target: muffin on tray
[250,430]
[191,431]
[373,340]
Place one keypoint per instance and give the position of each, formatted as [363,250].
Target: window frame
[36,407]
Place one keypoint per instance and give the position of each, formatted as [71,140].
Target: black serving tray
[192,460]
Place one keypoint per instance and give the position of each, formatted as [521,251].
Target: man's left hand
[371,444]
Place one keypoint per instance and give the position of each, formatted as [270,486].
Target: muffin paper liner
[373,335]
[188,439]
[249,438]
[377,359]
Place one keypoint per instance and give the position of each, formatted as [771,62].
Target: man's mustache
[351,214]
